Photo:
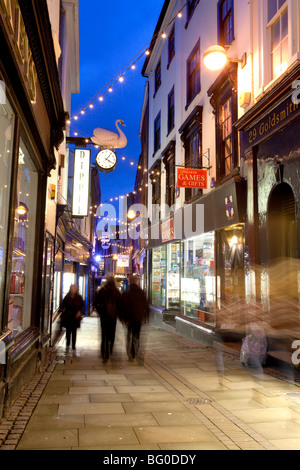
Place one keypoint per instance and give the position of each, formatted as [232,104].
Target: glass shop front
[195,277]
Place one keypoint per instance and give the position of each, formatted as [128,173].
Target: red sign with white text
[191,179]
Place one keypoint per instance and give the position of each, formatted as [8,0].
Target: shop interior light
[233,241]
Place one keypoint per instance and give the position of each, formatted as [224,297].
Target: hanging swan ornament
[106,138]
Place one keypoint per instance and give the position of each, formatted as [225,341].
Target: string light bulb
[132,66]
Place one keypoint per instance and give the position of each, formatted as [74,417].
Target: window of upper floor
[169,162]
[193,74]
[191,136]
[225,22]
[157,125]
[191,7]
[171,110]
[157,78]
[171,46]
[155,178]
[278,32]
[225,103]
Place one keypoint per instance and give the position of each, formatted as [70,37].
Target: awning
[223,207]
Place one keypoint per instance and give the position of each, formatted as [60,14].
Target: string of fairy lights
[91,105]
[109,88]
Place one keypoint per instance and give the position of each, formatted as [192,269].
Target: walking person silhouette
[72,310]
[106,304]
[135,311]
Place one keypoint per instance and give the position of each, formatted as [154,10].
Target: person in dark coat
[135,312]
[106,304]
[72,310]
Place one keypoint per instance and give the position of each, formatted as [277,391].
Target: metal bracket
[198,167]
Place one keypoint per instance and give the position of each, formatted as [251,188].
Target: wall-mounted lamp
[216,57]
[131,214]
[22,209]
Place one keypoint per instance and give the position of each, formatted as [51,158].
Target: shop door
[283,267]
[282,223]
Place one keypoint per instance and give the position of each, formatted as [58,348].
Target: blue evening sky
[111,35]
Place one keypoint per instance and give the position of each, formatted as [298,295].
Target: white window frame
[271,23]
[265,61]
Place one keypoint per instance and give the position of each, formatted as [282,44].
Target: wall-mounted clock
[106,160]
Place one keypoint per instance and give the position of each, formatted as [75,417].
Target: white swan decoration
[106,138]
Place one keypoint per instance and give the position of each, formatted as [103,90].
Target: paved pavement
[173,398]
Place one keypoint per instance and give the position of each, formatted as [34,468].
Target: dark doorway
[282,223]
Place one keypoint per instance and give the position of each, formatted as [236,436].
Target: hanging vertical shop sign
[190,178]
[81,183]
[105,240]
[123,261]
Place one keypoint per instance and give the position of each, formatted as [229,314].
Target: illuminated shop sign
[123,261]
[16,28]
[191,179]
[81,183]
[272,122]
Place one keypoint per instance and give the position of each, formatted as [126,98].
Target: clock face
[106,160]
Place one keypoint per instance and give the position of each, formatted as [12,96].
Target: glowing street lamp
[131,214]
[215,58]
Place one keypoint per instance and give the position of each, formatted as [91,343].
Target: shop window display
[233,255]
[198,291]
[173,276]
[23,242]
[7,119]
[57,291]
[48,280]
[159,277]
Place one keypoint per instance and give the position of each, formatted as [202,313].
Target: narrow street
[172,399]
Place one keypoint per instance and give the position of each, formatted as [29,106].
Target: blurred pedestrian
[135,312]
[72,310]
[106,304]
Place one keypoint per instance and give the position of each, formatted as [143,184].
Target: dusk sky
[112,34]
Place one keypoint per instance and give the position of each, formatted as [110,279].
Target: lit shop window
[21,282]
[198,292]
[159,259]
[226,124]
[173,276]
[7,120]
[278,27]
[57,290]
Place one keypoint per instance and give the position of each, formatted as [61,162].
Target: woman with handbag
[72,310]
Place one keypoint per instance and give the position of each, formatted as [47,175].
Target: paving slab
[174,434]
[103,435]
[90,408]
[50,438]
